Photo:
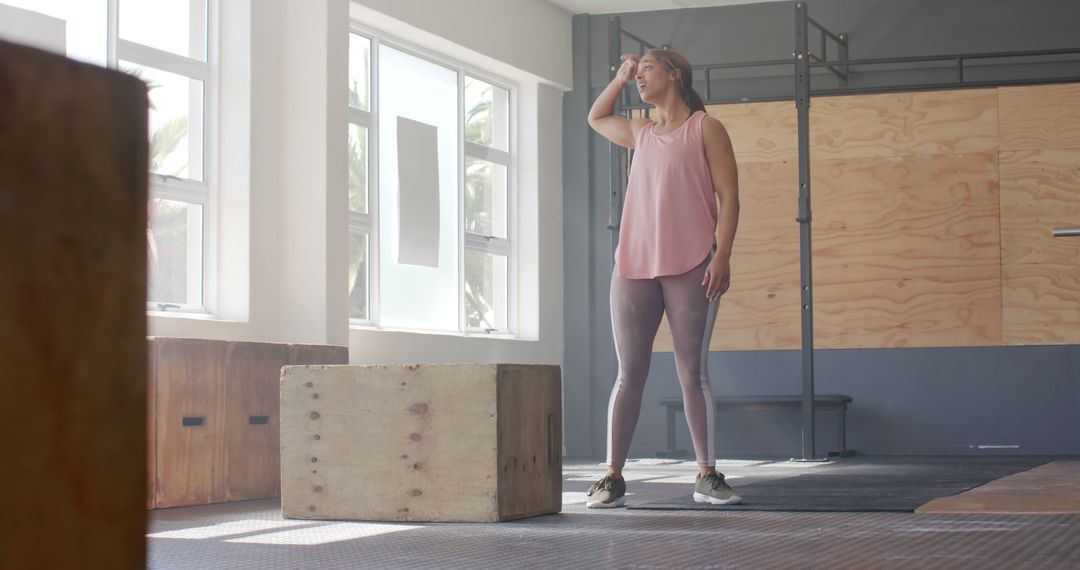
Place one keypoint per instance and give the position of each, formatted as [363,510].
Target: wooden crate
[213,405]
[151,425]
[476,442]
[252,371]
[190,423]
[73,189]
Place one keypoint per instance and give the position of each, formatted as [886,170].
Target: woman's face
[653,79]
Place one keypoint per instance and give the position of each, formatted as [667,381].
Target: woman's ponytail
[693,100]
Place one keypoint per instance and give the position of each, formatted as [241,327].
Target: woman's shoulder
[710,124]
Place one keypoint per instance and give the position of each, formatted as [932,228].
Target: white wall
[283,173]
[312,231]
[530,35]
[33,29]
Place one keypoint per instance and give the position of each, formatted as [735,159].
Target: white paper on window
[418,193]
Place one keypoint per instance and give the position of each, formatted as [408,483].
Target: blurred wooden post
[73,191]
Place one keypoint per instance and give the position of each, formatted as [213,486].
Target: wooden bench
[836,402]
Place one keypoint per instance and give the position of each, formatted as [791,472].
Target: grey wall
[907,401]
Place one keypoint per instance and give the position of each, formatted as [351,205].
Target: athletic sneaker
[713,490]
[606,493]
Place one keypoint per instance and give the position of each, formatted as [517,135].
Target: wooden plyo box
[73,190]
[213,408]
[476,442]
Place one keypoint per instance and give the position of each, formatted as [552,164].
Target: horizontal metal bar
[637,39]
[641,106]
[882,89]
[825,31]
[1065,232]
[887,60]
[1028,53]
[831,68]
[952,57]
[763,63]
[941,85]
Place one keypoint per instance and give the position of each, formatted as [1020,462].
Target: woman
[673,256]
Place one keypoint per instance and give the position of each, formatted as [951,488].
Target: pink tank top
[669,216]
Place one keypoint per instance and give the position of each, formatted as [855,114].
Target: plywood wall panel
[904,124]
[761,310]
[906,252]
[1040,117]
[915,244]
[1040,190]
[760,132]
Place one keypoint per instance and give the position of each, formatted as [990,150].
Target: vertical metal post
[614,155]
[802,105]
[614,151]
[842,55]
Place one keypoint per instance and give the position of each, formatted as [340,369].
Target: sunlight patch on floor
[324,534]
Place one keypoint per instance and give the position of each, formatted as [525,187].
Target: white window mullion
[486,244]
[195,266]
[487,153]
[374,238]
[512,225]
[163,60]
[112,32]
[197,20]
[361,118]
[180,191]
[206,31]
[361,222]
[462,325]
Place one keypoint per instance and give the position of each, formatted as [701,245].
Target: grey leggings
[636,308]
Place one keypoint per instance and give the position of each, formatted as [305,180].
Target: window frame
[368,223]
[505,247]
[203,193]
[466,240]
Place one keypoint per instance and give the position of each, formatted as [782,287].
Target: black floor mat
[882,484]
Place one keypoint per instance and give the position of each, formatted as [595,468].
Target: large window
[431,175]
[166,43]
[487,205]
[361,218]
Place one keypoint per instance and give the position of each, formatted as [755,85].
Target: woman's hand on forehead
[629,67]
